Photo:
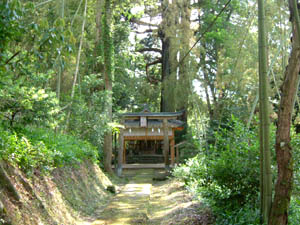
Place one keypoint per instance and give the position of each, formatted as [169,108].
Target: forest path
[146,201]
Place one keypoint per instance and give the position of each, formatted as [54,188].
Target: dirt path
[147,201]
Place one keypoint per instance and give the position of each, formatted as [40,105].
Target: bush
[246,215]
[227,176]
[40,148]
[21,152]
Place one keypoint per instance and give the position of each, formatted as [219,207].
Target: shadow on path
[146,201]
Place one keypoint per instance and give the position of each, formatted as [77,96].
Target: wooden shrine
[148,134]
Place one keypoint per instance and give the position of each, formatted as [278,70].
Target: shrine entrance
[148,138]
[144,151]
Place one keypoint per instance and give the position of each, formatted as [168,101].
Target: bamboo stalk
[77,63]
[264,109]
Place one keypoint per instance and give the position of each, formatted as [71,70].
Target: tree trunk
[108,74]
[264,112]
[166,144]
[283,188]
[98,65]
[169,54]
[165,73]
[185,68]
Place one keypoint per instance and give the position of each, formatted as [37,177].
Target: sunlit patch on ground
[145,201]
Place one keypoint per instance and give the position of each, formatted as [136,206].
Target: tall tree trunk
[165,72]
[185,71]
[283,187]
[108,75]
[98,65]
[264,112]
[169,53]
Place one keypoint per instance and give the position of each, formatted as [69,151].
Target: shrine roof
[153,114]
[153,123]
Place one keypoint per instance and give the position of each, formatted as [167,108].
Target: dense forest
[70,68]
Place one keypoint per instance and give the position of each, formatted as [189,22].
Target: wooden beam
[150,117]
[177,128]
[124,152]
[162,117]
[133,138]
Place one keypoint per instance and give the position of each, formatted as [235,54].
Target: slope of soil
[66,196]
[77,195]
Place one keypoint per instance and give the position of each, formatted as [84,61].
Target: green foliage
[246,215]
[28,105]
[295,142]
[10,27]
[227,176]
[21,152]
[294,210]
[29,46]
[88,119]
[39,148]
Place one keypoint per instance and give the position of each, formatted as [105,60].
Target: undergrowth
[226,175]
[33,148]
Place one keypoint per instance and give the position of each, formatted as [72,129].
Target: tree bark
[169,55]
[184,67]
[165,71]
[98,65]
[166,144]
[284,183]
[108,75]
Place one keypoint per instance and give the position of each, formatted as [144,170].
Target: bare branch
[146,31]
[42,3]
[152,79]
[11,58]
[150,50]
[153,63]
[63,108]
[134,20]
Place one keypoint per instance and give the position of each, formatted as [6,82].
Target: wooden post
[120,153]
[124,152]
[177,155]
[172,152]
[166,144]
[115,151]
